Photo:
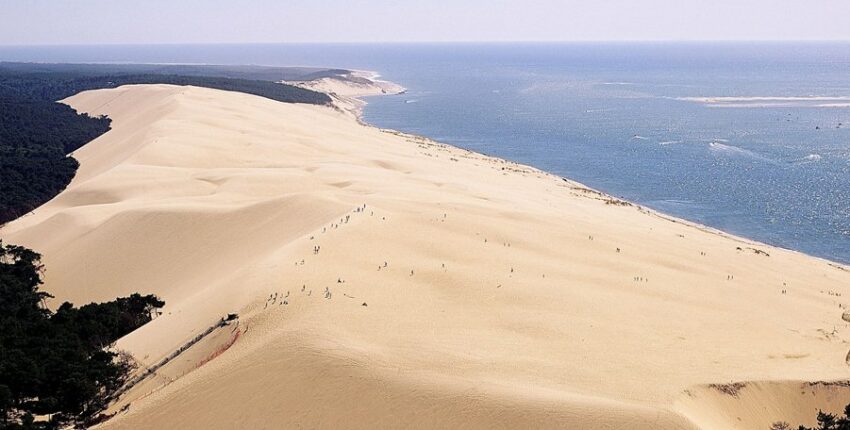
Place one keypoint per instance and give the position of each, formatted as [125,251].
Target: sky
[50,22]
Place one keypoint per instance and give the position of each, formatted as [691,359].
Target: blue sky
[239,21]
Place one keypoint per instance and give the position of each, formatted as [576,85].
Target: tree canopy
[37,133]
[56,368]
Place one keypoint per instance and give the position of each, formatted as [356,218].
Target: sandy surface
[348,92]
[449,290]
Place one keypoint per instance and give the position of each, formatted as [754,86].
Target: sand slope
[450,289]
[349,90]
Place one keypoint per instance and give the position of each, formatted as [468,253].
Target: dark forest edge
[58,369]
[826,421]
[37,133]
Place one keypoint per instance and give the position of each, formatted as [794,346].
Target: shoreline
[348,94]
[379,269]
[354,104]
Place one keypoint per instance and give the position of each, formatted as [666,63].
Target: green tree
[827,421]
[58,364]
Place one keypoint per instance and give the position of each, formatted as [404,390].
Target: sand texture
[388,281]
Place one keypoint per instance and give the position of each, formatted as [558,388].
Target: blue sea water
[751,138]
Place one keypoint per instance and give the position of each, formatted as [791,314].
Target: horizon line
[445,42]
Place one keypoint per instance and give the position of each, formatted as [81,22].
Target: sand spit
[348,90]
[385,280]
[771,101]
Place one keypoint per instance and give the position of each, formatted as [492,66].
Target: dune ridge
[384,279]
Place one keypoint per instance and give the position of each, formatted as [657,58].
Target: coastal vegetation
[826,421]
[56,367]
[254,73]
[37,133]
[502,259]
[35,137]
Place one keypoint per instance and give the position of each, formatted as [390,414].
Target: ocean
[750,138]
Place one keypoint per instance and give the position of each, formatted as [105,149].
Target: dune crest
[385,279]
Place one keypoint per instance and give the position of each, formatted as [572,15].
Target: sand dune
[449,290]
[349,90]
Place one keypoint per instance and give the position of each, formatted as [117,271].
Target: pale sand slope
[357,83]
[212,200]
[347,93]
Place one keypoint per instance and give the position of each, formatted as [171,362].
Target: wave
[721,147]
[411,101]
[735,151]
[639,137]
[551,87]
[670,142]
[674,202]
[811,158]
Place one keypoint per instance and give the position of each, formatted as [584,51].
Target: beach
[383,280]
